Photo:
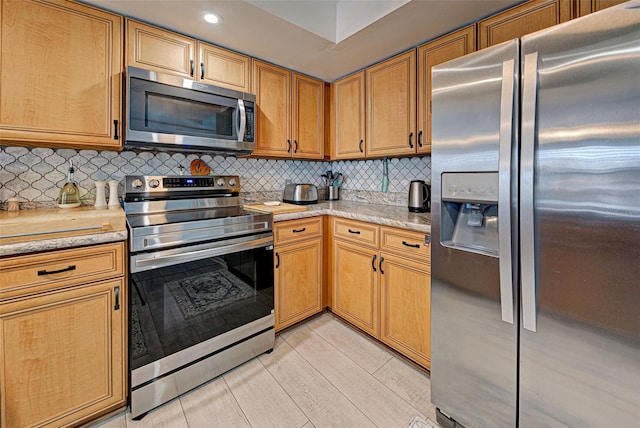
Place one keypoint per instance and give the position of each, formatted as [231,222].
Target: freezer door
[474,190]
[580,223]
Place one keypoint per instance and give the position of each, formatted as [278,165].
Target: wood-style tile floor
[320,374]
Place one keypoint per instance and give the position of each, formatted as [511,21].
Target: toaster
[300,194]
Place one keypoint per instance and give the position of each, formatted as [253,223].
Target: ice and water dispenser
[469,212]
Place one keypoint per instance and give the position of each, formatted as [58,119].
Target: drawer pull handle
[51,272]
[373,263]
[355,232]
[116,291]
[360,146]
[202,71]
[381,260]
[278,260]
[299,230]
[115,129]
[410,245]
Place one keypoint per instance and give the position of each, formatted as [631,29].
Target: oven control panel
[139,184]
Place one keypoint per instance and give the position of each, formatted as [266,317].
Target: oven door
[182,298]
[165,110]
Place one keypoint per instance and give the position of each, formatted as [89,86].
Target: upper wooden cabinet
[585,7]
[348,117]
[436,52]
[391,107]
[60,75]
[307,117]
[527,18]
[288,126]
[156,49]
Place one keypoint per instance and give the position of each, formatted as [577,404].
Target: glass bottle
[69,195]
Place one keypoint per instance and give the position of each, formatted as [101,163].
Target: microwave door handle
[243,120]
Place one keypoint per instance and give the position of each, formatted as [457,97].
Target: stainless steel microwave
[168,113]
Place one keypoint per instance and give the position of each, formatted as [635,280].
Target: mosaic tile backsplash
[36,174]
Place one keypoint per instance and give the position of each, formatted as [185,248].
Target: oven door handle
[150,261]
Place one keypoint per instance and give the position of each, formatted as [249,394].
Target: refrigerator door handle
[504,190]
[527,233]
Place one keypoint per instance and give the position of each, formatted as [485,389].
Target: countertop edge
[61,243]
[367,217]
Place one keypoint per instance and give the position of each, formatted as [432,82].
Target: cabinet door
[272,86]
[298,281]
[349,108]
[446,48]
[391,106]
[223,68]
[155,49]
[521,20]
[585,7]
[63,355]
[405,306]
[355,285]
[308,117]
[60,75]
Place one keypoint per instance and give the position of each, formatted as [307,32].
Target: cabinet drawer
[405,242]
[295,230]
[356,231]
[36,273]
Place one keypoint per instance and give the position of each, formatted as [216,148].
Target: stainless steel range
[201,284]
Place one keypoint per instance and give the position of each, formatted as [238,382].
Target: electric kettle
[419,197]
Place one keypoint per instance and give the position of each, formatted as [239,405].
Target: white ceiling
[323,38]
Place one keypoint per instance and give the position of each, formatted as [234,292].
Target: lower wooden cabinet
[405,306]
[64,350]
[356,285]
[298,270]
[381,283]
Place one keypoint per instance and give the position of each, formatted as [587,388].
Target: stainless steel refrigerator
[536,229]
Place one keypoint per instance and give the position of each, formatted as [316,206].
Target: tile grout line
[328,380]
[283,388]
[371,374]
[234,396]
[325,378]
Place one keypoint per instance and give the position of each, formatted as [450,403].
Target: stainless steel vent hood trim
[154,141]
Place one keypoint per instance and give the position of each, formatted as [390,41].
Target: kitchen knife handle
[278,260]
[192,67]
[527,179]
[288,146]
[52,272]
[355,232]
[420,139]
[299,230]
[381,260]
[411,140]
[506,138]
[360,146]
[201,70]
[373,263]
[405,243]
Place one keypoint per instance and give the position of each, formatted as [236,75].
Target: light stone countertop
[386,215]
[61,243]
[29,231]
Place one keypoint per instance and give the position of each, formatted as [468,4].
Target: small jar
[101,201]
[114,202]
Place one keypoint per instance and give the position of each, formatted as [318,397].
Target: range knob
[137,183]
[153,183]
[220,182]
[232,182]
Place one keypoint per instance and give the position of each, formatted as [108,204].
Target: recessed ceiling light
[211,18]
